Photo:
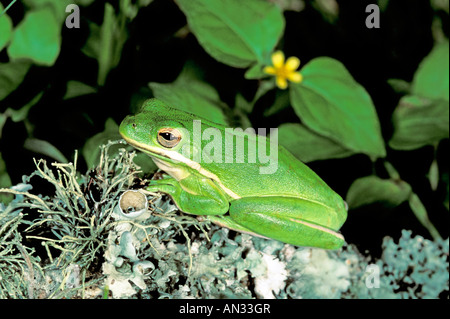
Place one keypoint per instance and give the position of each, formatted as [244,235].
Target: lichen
[73,244]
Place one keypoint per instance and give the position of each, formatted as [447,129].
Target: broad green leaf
[330,102]
[57,6]
[431,79]
[371,189]
[5,28]
[419,122]
[422,215]
[235,32]
[44,148]
[11,75]
[307,145]
[191,95]
[37,37]
[91,150]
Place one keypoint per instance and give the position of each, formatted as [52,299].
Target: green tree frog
[219,176]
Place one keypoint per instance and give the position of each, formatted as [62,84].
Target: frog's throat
[177,157]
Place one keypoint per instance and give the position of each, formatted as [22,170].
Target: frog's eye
[169,137]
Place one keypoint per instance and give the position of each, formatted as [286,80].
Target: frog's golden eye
[169,137]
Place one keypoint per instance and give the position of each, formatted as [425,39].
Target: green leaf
[421,213]
[235,32]
[192,95]
[3,118]
[307,145]
[371,189]
[419,122]
[282,99]
[105,42]
[76,88]
[330,102]
[22,113]
[92,47]
[5,29]
[84,3]
[91,150]
[11,75]
[37,37]
[5,182]
[44,148]
[255,71]
[431,79]
[242,104]
[447,186]
[106,53]
[392,172]
[264,87]
[433,175]
[57,6]
[144,162]
[400,86]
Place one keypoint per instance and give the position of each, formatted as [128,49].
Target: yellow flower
[284,71]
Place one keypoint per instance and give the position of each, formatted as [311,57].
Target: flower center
[282,72]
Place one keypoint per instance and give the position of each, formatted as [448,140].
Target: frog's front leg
[193,195]
[291,220]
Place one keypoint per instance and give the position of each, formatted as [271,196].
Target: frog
[290,203]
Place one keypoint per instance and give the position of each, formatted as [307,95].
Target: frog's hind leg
[289,220]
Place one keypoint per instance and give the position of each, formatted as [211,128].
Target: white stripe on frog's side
[177,157]
[321,228]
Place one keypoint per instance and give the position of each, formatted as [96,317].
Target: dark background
[156,52]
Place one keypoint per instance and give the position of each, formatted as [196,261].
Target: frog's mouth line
[171,156]
[177,157]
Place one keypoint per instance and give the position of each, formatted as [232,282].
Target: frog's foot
[192,196]
[165,185]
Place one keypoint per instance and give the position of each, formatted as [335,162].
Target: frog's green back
[291,178]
